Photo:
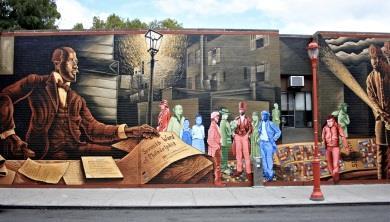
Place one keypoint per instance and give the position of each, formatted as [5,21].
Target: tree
[78,27]
[165,24]
[28,14]
[170,24]
[135,24]
[97,23]
[113,21]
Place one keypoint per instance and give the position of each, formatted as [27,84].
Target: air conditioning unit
[296,81]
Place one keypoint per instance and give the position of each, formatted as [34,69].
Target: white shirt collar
[58,78]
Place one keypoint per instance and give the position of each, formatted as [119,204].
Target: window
[224,76]
[296,109]
[258,41]
[214,56]
[260,72]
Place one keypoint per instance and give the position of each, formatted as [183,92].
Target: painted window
[258,41]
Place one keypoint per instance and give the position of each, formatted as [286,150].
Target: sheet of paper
[126,145]
[44,172]
[159,152]
[130,168]
[74,174]
[9,179]
[99,167]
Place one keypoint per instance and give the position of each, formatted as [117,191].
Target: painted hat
[214,114]
[242,105]
[164,102]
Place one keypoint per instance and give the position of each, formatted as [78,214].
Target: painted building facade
[206,71]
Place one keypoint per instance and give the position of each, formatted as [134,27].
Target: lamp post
[153,41]
[313,51]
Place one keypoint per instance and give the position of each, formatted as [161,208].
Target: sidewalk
[193,197]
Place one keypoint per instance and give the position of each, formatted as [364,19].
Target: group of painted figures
[246,137]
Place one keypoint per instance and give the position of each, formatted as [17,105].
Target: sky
[287,16]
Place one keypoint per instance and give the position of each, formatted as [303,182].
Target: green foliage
[78,27]
[170,24]
[115,22]
[97,23]
[28,14]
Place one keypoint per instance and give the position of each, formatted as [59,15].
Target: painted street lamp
[313,51]
[153,41]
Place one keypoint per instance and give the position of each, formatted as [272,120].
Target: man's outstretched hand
[143,131]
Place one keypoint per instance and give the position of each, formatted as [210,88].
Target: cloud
[291,16]
[204,7]
[72,12]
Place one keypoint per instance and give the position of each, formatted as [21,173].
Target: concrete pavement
[193,197]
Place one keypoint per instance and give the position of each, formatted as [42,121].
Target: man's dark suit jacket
[42,95]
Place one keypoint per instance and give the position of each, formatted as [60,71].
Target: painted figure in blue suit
[269,133]
[186,132]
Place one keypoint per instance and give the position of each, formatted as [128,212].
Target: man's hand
[143,131]
[18,147]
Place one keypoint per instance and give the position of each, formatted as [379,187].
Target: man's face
[330,122]
[69,69]
[255,117]
[225,116]
[242,111]
[216,119]
[264,116]
[178,110]
[162,106]
[375,63]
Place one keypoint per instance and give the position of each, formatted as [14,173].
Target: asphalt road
[366,213]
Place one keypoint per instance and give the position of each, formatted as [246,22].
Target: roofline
[139,31]
[294,36]
[335,34]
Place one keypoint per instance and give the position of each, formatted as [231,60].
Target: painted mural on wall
[85,106]
[363,65]
[77,106]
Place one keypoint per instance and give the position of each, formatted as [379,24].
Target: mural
[75,107]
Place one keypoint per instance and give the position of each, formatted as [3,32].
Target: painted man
[331,133]
[378,90]
[276,115]
[177,120]
[198,134]
[164,116]
[214,148]
[241,141]
[342,117]
[269,133]
[61,125]
[226,134]
[255,136]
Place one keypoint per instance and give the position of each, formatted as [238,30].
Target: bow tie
[64,86]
